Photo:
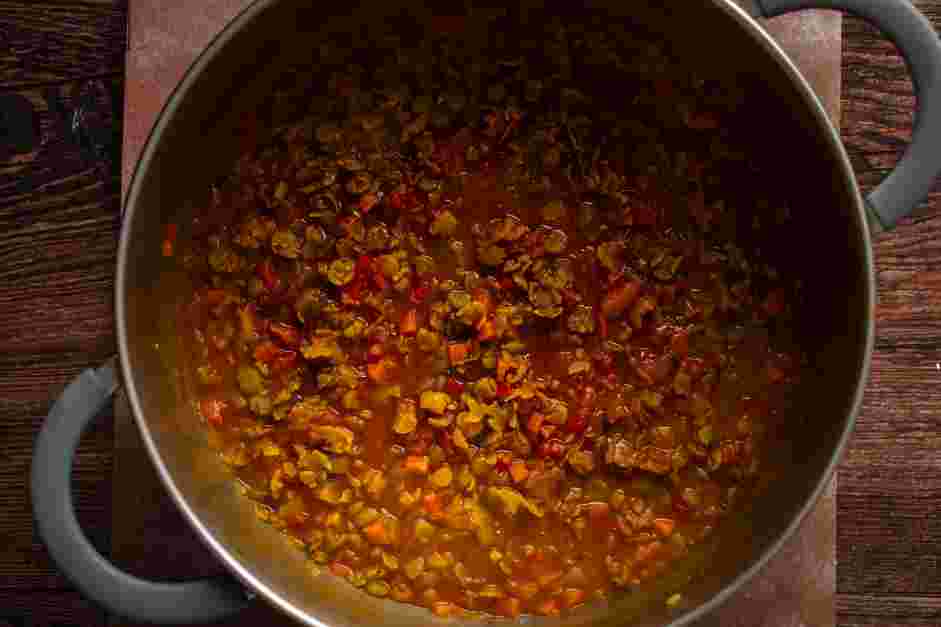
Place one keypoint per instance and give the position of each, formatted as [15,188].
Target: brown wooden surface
[58,218]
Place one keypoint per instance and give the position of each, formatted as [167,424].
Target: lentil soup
[477,345]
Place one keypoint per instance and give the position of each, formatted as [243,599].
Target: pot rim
[244,20]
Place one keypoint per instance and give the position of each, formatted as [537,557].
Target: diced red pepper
[549,607]
[419,293]
[458,352]
[368,201]
[402,200]
[774,303]
[503,390]
[487,330]
[679,343]
[284,361]
[534,424]
[170,241]
[287,333]
[694,366]
[552,448]
[576,423]
[645,215]
[266,351]
[375,353]
[212,409]
[454,387]
[409,324]
[600,515]
[266,273]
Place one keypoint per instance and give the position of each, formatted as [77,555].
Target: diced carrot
[619,299]
[417,464]
[377,533]
[287,333]
[664,526]
[519,471]
[266,351]
[572,597]
[534,424]
[446,609]
[169,243]
[409,323]
[216,296]
[211,410]
[340,570]
[368,201]
[549,607]
[487,330]
[511,607]
[433,504]
[458,352]
[647,551]
[775,374]
[546,578]
[483,297]
[600,515]
[679,343]
[266,273]
[382,371]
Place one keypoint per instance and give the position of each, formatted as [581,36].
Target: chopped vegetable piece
[435,402]
[416,464]
[406,418]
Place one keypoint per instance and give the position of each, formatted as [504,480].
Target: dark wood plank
[888,611]
[59,212]
[24,563]
[57,41]
[888,529]
[60,608]
[890,482]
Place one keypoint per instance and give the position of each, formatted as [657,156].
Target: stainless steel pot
[194,140]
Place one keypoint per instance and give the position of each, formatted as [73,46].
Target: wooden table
[59,205]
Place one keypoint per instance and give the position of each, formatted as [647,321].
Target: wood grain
[890,482]
[59,207]
[888,611]
[59,41]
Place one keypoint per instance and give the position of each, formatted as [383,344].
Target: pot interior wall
[202,135]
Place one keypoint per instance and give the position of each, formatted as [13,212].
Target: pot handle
[908,185]
[199,600]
